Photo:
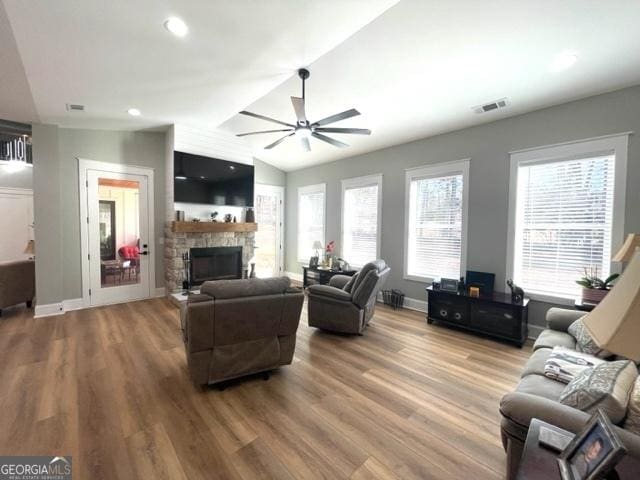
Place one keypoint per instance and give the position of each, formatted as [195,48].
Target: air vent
[488,107]
[74,107]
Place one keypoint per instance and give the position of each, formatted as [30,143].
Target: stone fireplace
[204,238]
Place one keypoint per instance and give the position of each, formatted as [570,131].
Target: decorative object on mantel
[613,324]
[227,218]
[517,293]
[180,215]
[234,219]
[250,215]
[594,289]
[252,274]
[213,216]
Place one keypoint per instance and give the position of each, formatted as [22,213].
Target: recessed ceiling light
[134,112]
[563,61]
[176,26]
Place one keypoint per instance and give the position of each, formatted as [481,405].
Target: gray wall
[20,179]
[57,202]
[269,175]
[488,146]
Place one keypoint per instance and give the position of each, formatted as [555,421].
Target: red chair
[131,254]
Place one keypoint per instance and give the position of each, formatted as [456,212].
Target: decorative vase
[253,271]
[593,295]
[250,216]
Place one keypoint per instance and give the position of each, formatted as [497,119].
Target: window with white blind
[436,221]
[311,219]
[564,215]
[361,205]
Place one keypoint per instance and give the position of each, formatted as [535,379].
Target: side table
[540,463]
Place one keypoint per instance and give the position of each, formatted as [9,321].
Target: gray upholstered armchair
[346,305]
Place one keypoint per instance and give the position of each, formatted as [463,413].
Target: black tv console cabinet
[493,315]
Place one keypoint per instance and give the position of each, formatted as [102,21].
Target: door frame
[279,189]
[84,165]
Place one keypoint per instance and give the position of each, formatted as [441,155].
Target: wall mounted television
[211,181]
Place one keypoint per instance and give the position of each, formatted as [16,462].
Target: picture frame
[449,284]
[313,262]
[593,452]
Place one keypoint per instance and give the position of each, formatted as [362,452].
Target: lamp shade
[30,249]
[615,322]
[317,245]
[628,248]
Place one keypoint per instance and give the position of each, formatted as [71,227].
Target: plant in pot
[594,288]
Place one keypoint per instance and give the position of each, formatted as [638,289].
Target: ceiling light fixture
[563,61]
[134,112]
[176,26]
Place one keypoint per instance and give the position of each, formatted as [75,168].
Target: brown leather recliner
[17,283]
[347,304]
[235,328]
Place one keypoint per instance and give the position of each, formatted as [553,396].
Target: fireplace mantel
[212,227]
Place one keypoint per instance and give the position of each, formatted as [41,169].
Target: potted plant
[594,289]
[328,253]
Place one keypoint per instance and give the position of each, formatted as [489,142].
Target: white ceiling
[113,55]
[413,68]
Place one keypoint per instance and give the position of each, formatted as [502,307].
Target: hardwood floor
[109,386]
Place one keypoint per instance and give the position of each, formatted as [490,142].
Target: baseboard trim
[294,276]
[70,305]
[48,310]
[409,303]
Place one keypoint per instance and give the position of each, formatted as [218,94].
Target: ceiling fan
[303,128]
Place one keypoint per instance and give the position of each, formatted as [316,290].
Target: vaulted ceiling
[413,68]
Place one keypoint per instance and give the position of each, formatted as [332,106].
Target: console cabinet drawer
[495,319]
[450,309]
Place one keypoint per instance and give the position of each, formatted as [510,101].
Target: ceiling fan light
[303,132]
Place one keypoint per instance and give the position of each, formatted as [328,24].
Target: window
[311,206]
[564,215]
[361,205]
[436,221]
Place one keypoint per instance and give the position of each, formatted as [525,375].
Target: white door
[269,217]
[16,205]
[118,266]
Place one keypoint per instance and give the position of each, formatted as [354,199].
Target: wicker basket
[393,298]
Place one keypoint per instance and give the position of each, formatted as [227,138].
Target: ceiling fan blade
[264,131]
[330,140]
[305,144]
[337,117]
[268,119]
[357,131]
[278,142]
[298,106]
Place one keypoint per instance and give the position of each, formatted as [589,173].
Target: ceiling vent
[488,107]
[74,107]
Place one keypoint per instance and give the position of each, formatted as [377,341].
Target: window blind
[310,221]
[360,224]
[564,220]
[435,226]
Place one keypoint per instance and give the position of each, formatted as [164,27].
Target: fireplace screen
[215,263]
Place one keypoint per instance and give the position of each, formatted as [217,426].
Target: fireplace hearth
[215,263]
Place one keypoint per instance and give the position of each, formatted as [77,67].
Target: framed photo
[313,262]
[449,284]
[592,452]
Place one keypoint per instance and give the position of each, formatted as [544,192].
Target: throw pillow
[606,386]
[632,422]
[584,342]
[564,364]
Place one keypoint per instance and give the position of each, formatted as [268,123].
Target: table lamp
[317,245]
[615,322]
[628,248]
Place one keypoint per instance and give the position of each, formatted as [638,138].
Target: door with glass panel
[118,236]
[268,240]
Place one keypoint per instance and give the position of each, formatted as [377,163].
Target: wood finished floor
[109,386]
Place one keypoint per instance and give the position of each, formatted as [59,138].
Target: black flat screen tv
[211,181]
